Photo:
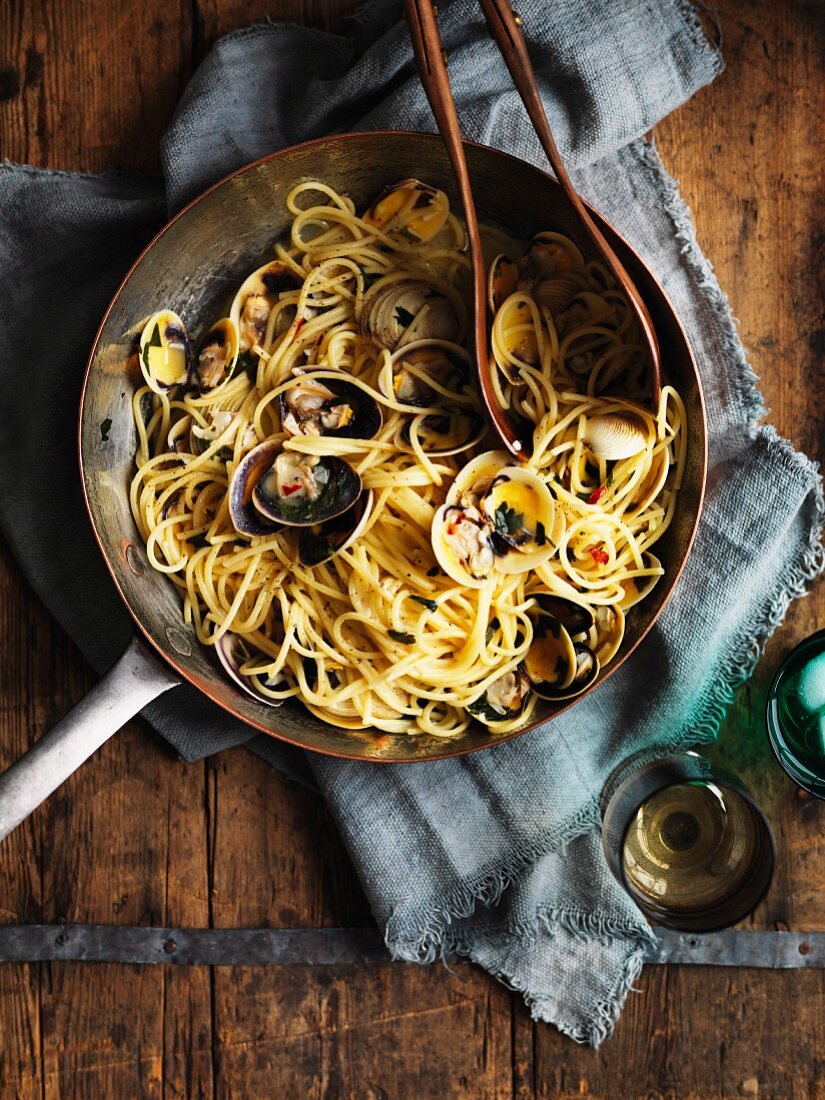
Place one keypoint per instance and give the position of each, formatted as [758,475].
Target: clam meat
[254,301]
[327,406]
[217,355]
[419,364]
[503,699]
[299,490]
[462,544]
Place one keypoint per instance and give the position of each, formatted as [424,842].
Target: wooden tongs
[505,27]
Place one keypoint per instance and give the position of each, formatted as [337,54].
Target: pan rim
[168,655]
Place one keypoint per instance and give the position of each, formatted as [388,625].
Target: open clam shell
[415,366]
[586,672]
[475,479]
[549,256]
[516,342]
[586,308]
[233,652]
[609,632]
[410,209]
[164,351]
[323,541]
[217,355]
[462,544]
[178,438]
[402,312]
[550,663]
[614,436]
[202,437]
[329,406]
[301,490]
[576,618]
[637,588]
[522,513]
[255,298]
[245,517]
[504,698]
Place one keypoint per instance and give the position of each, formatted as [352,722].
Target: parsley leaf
[541,536]
[433,572]
[400,636]
[508,521]
[431,604]
[105,427]
[493,626]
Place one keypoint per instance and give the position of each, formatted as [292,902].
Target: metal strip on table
[347,946]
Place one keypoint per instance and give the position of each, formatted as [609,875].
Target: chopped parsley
[400,636]
[105,428]
[433,572]
[154,341]
[541,536]
[507,520]
[431,604]
[491,629]
[403,316]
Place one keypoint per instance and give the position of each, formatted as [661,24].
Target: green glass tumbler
[796,714]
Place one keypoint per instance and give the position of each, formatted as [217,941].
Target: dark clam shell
[366,413]
[486,708]
[246,519]
[447,433]
[574,617]
[338,484]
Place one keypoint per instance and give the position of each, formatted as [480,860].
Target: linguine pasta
[374,615]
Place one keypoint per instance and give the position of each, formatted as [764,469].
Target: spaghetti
[317,482]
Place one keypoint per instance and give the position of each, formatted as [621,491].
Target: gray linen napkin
[496,855]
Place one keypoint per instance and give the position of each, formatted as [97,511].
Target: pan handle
[136,679]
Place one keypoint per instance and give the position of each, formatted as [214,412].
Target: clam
[233,652]
[178,437]
[447,433]
[522,513]
[329,406]
[474,480]
[415,364]
[254,301]
[549,255]
[550,662]
[614,436]
[502,281]
[201,438]
[576,618]
[323,541]
[164,351]
[411,209]
[244,515]
[637,588]
[556,295]
[462,541]
[407,311]
[217,354]
[503,699]
[609,632]
[300,490]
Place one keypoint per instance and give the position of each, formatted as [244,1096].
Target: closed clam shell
[402,312]
[614,436]
[556,294]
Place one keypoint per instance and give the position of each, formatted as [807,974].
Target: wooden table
[137,837]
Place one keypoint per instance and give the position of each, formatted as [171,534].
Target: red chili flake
[597,495]
[299,324]
[599,556]
[290,489]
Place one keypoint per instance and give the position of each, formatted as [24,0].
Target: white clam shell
[614,436]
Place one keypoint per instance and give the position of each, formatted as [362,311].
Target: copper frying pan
[194,265]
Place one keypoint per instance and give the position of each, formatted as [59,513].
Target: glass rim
[770,725]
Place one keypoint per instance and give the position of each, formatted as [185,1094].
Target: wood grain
[138,837]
